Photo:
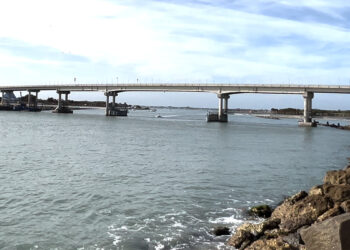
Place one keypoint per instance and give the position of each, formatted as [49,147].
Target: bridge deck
[210,88]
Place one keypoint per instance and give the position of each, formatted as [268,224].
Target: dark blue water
[86,181]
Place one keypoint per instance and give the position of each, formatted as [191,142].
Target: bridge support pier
[62,106]
[2,98]
[5,100]
[107,103]
[32,105]
[221,116]
[111,108]
[307,119]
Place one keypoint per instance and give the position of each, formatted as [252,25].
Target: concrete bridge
[223,92]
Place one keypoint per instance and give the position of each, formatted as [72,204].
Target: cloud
[265,41]
[35,52]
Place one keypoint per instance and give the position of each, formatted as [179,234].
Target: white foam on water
[168,239]
[226,220]
[116,238]
[234,200]
[178,225]
[113,228]
[148,220]
[196,205]
[194,218]
[147,240]
[159,246]
[221,245]
[139,229]
[228,209]
[174,214]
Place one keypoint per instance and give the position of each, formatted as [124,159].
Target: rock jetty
[318,219]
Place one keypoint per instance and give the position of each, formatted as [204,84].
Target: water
[86,181]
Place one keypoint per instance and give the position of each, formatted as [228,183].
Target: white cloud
[172,42]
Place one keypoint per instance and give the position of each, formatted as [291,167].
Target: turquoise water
[86,181]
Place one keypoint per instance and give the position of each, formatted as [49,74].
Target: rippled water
[86,181]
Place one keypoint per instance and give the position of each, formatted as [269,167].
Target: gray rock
[316,190]
[336,210]
[219,231]
[331,234]
[271,244]
[274,233]
[295,213]
[338,193]
[248,232]
[292,239]
[344,234]
[263,211]
[337,177]
[345,205]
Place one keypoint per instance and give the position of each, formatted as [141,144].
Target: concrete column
[29,98]
[226,103]
[308,106]
[36,99]
[220,112]
[59,100]
[62,104]
[107,104]
[113,100]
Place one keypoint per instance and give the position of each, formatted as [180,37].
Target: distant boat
[159,116]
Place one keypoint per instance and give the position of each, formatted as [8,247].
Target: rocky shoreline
[318,219]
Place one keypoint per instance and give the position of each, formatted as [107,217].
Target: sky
[178,41]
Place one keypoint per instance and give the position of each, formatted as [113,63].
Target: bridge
[223,92]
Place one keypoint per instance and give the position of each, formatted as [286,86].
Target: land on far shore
[264,113]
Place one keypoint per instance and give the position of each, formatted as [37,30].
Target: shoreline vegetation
[318,219]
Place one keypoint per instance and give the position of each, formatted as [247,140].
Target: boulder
[338,193]
[345,205]
[242,236]
[280,210]
[344,234]
[295,213]
[270,244]
[337,177]
[273,233]
[263,211]
[331,234]
[330,213]
[248,232]
[219,231]
[292,239]
[297,197]
[316,190]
